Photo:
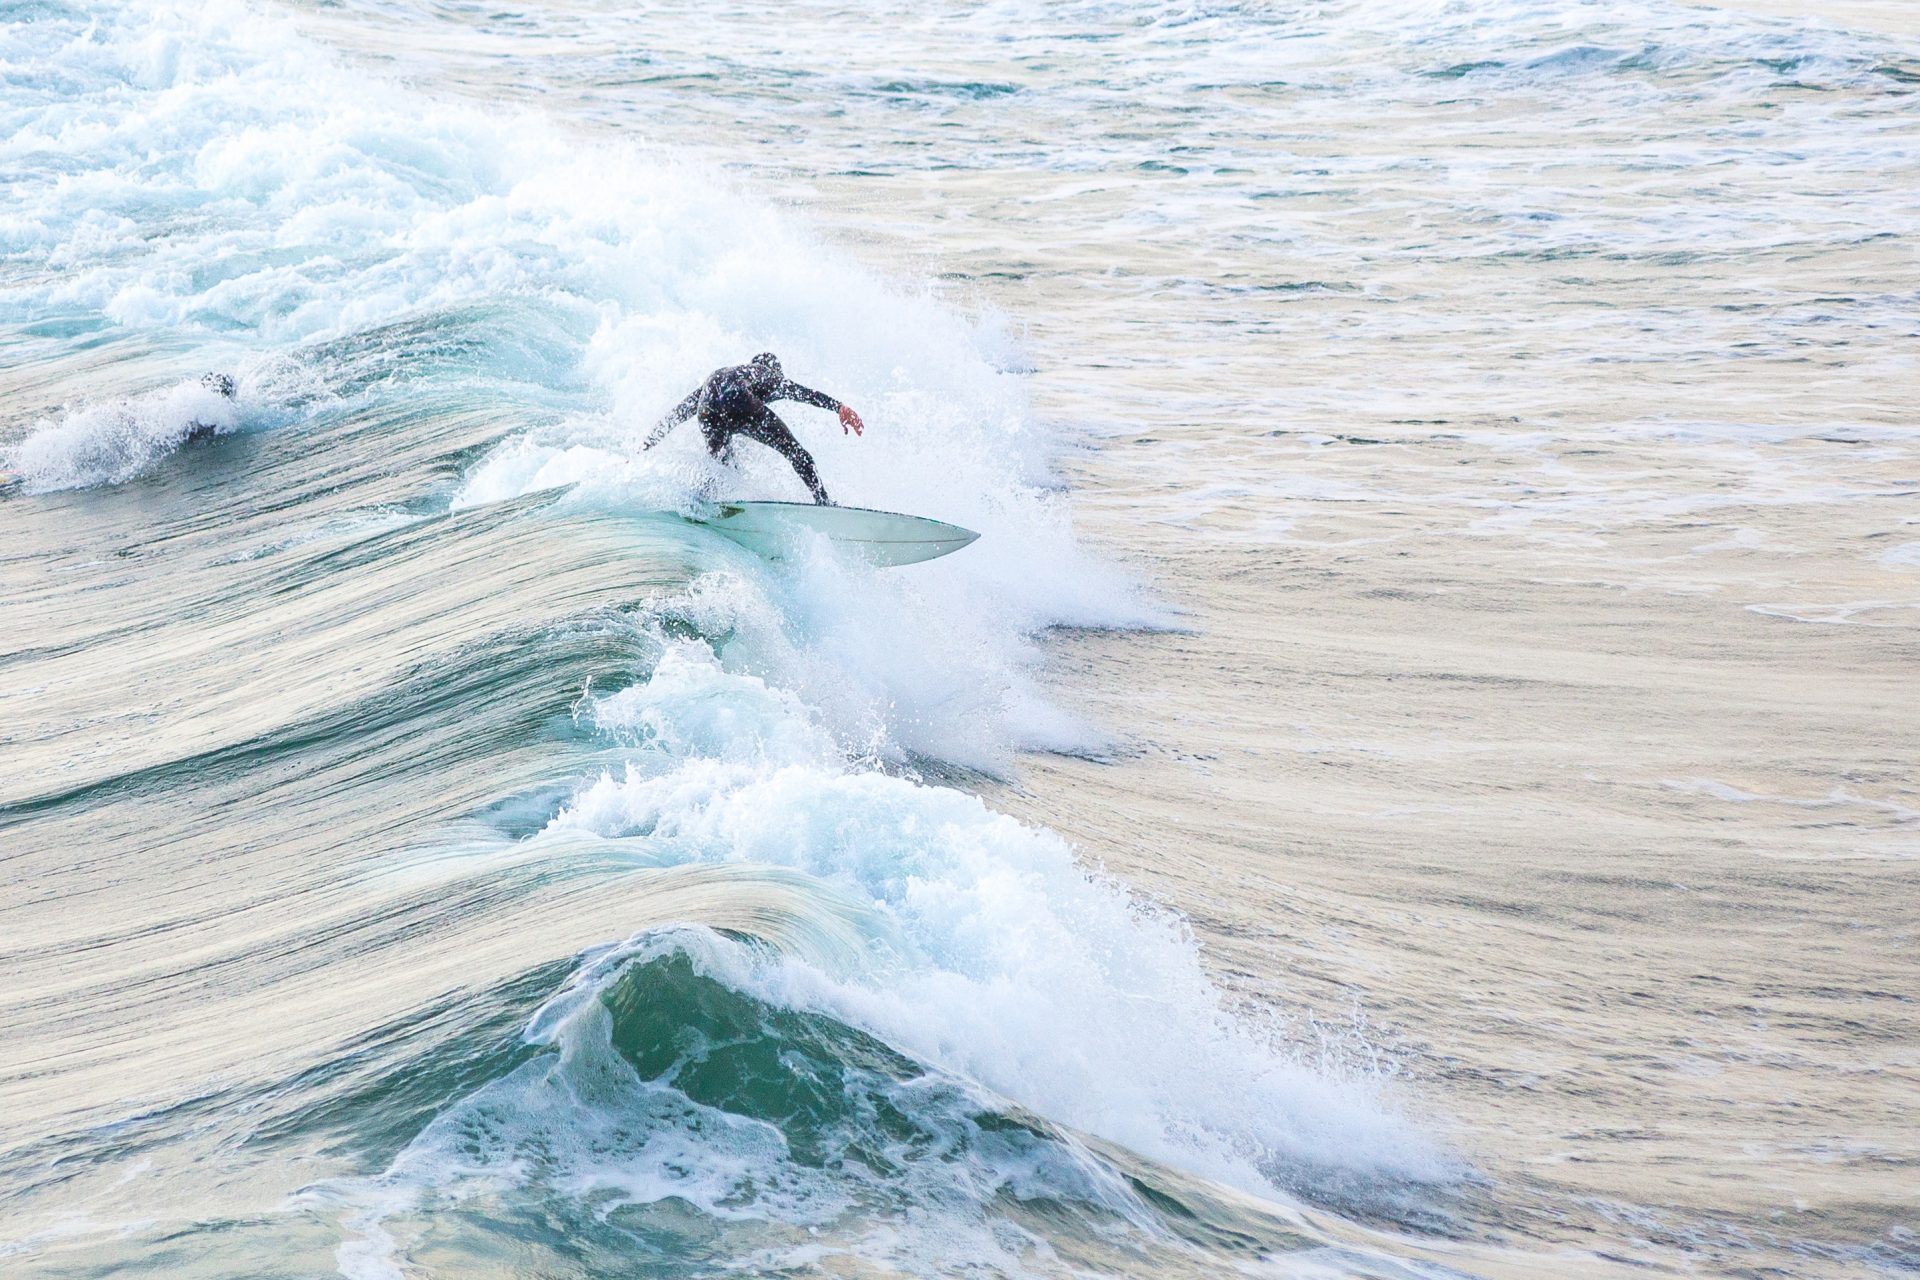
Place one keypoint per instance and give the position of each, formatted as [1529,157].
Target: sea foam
[1006,960]
[302,201]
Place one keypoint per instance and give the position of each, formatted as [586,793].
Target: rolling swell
[679,1120]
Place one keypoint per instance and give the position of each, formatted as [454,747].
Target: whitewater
[429,852]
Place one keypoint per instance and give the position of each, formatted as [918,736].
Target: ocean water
[1415,779]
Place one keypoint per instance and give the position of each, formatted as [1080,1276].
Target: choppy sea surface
[1417,778]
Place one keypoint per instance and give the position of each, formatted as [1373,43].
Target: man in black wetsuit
[733,402]
[219,384]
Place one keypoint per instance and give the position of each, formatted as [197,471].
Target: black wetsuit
[221,383]
[733,402]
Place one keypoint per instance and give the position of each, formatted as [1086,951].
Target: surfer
[733,402]
[221,384]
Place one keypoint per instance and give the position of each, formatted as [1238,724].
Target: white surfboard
[885,538]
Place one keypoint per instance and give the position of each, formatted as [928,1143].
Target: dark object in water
[222,383]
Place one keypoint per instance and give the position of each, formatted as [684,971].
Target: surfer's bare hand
[850,421]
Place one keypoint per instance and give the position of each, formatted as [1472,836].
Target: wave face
[444,859]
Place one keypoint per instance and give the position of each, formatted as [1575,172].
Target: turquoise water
[428,853]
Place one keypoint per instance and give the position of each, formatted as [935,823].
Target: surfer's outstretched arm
[677,415]
[790,390]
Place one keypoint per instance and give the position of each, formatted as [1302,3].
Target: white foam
[106,443]
[322,203]
[1014,966]
[582,1124]
[1836,797]
[303,200]
[1846,613]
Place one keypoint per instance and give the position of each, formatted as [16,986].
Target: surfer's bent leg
[739,412]
[770,431]
[718,432]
